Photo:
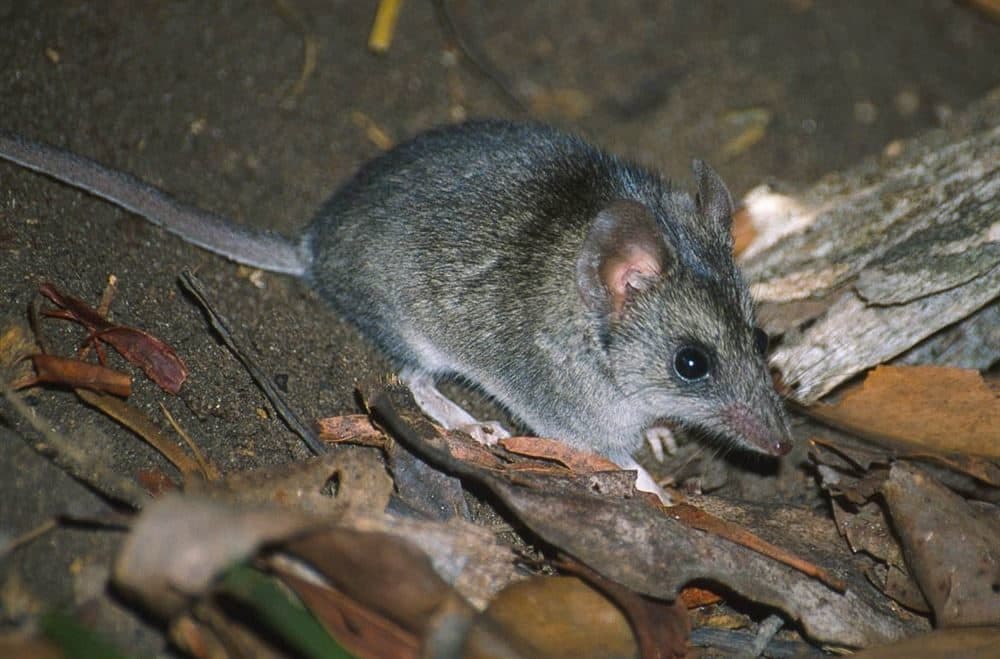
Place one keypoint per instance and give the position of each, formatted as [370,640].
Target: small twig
[192,285]
[310,48]
[208,469]
[72,457]
[140,424]
[109,519]
[108,296]
[29,536]
[471,53]
[384,26]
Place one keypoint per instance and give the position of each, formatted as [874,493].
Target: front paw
[485,432]
[661,442]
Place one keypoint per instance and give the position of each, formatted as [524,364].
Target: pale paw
[485,432]
[661,442]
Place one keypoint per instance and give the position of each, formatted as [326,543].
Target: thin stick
[29,536]
[208,469]
[82,464]
[471,52]
[192,285]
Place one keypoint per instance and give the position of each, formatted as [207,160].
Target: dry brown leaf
[158,360]
[180,543]
[926,407]
[743,230]
[356,475]
[562,617]
[17,644]
[951,547]
[17,343]
[700,519]
[466,555]
[384,573]
[661,628]
[971,643]
[358,628]
[135,420]
[693,597]
[552,449]
[156,482]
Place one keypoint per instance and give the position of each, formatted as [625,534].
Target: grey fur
[459,251]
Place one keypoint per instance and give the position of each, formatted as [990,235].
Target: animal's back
[459,225]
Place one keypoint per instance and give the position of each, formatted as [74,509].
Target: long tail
[264,250]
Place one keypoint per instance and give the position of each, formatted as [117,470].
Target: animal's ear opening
[714,201]
[625,252]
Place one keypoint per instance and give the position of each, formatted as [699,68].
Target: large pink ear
[625,252]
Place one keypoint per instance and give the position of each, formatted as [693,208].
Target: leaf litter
[373,537]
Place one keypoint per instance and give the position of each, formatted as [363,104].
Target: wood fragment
[68,372]
[895,249]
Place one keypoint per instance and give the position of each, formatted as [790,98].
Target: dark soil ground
[193,96]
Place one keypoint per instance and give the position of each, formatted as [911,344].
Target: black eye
[691,363]
[760,341]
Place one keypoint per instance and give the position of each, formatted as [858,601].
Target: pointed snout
[758,430]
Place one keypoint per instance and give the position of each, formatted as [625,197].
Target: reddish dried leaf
[551,449]
[692,597]
[354,428]
[384,573]
[155,482]
[926,407]
[743,230]
[74,308]
[157,359]
[699,519]
[77,374]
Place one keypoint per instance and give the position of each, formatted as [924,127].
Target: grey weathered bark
[900,254]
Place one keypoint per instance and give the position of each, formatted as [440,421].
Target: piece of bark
[867,264]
